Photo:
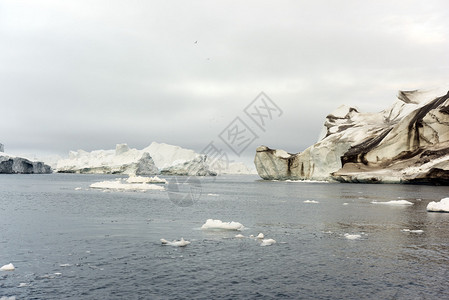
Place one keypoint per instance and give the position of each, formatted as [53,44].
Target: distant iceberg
[158,158]
[10,164]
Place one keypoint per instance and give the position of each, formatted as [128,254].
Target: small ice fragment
[23,284]
[345,203]
[218,224]
[8,267]
[268,242]
[240,236]
[311,201]
[214,195]
[405,230]
[394,202]
[417,231]
[352,236]
[8,298]
[175,243]
[65,265]
[251,235]
[58,273]
[260,236]
[78,189]
[442,206]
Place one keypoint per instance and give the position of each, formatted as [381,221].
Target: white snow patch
[175,243]
[8,267]
[218,224]
[394,202]
[442,206]
[352,236]
[311,201]
[268,242]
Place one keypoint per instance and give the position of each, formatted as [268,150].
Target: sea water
[68,241]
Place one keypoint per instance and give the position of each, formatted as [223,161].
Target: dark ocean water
[90,244]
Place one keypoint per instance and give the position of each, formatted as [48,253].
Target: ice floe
[120,185]
[311,201]
[175,243]
[268,242]
[412,231]
[394,202]
[352,236]
[220,225]
[442,206]
[143,179]
[8,267]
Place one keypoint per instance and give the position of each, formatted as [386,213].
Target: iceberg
[268,242]
[10,164]
[157,158]
[394,202]
[220,225]
[175,243]
[8,267]
[405,143]
[442,206]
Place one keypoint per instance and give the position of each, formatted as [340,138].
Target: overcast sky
[91,74]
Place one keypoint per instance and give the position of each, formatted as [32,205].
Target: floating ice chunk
[23,284]
[118,185]
[412,231]
[78,188]
[65,265]
[260,236]
[268,242]
[239,236]
[345,203]
[8,267]
[311,201]
[352,236]
[175,243]
[218,224]
[58,273]
[8,298]
[142,179]
[214,195]
[394,202]
[442,206]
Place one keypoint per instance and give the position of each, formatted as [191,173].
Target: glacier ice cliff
[17,165]
[157,158]
[406,143]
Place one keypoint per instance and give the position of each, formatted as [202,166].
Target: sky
[91,74]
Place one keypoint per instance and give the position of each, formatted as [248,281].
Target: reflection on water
[68,241]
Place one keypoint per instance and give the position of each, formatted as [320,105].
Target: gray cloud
[90,74]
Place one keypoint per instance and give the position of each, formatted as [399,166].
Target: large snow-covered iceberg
[406,143]
[158,158]
[10,164]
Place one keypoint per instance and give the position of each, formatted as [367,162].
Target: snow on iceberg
[220,225]
[8,267]
[394,202]
[175,243]
[442,206]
